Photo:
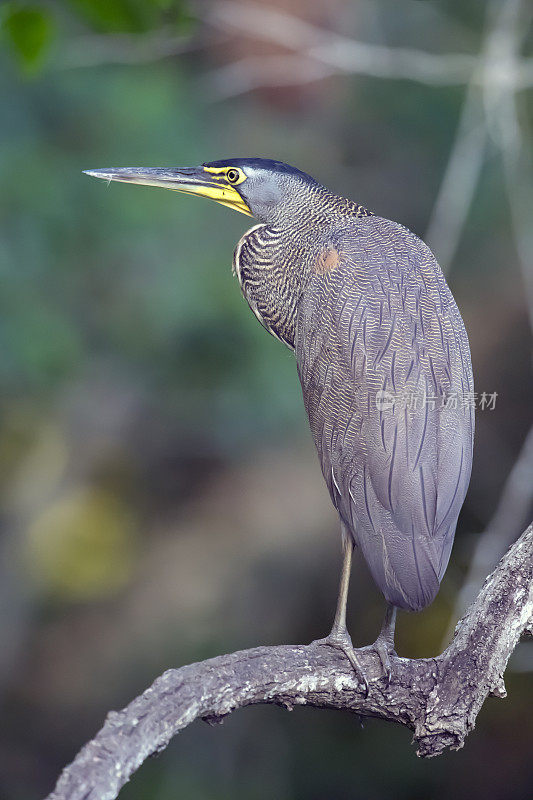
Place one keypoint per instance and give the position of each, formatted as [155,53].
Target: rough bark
[437,698]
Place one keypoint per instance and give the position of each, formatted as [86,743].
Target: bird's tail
[409,569]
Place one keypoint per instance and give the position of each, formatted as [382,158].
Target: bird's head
[271,191]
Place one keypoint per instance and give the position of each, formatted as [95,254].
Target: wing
[384,365]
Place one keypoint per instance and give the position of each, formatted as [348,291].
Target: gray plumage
[380,348]
[365,307]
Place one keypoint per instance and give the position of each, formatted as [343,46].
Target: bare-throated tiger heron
[383,360]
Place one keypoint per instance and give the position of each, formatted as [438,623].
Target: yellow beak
[191,180]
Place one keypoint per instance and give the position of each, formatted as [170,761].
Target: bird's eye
[233,175]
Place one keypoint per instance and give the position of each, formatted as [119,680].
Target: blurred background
[161,498]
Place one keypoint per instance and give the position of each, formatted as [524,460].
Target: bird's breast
[269,265]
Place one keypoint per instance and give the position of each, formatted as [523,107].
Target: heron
[383,360]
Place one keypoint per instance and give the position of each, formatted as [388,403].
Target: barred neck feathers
[326,207]
[274,259]
[312,204]
[269,287]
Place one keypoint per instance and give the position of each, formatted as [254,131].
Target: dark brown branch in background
[437,698]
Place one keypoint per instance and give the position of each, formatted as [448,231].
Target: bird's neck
[270,290]
[274,262]
[312,206]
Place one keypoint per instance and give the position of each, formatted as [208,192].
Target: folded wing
[384,364]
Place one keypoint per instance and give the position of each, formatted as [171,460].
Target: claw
[384,651]
[344,644]
[384,644]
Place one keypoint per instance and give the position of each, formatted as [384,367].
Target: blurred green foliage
[82,546]
[28,30]
[131,16]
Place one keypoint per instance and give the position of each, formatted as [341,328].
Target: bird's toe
[342,641]
[385,652]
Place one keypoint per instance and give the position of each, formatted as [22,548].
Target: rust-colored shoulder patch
[328,260]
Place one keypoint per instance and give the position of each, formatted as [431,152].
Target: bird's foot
[385,652]
[340,640]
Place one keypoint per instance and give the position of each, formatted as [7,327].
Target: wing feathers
[398,476]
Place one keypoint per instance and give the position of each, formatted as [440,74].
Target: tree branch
[511,512]
[341,52]
[437,698]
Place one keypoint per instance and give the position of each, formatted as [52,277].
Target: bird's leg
[339,622]
[384,644]
[339,636]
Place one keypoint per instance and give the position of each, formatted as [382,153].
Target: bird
[384,364]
